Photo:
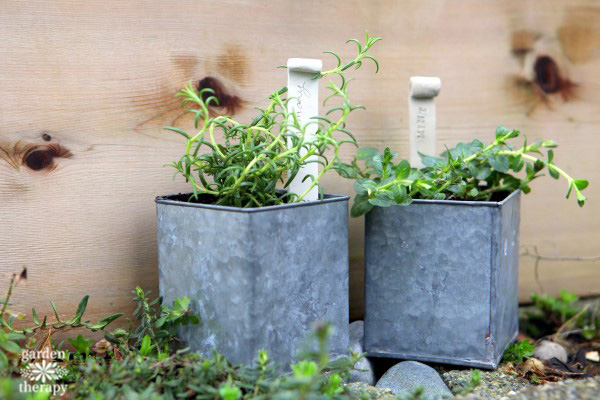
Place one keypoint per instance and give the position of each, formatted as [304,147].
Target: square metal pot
[258,278]
[441,281]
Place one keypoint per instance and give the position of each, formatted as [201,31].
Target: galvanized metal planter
[441,281]
[258,278]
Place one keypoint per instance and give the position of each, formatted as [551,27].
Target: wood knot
[547,75]
[40,158]
[543,67]
[228,103]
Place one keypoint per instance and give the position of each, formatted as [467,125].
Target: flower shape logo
[43,371]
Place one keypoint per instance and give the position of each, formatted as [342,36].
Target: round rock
[405,377]
[357,332]
[363,370]
[547,350]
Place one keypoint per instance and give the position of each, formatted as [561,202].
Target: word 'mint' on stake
[421,108]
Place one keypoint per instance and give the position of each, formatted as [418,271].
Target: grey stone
[357,332]
[363,370]
[403,378]
[547,350]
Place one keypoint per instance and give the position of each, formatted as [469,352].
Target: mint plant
[470,171]
[257,156]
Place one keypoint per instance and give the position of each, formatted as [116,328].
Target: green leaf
[458,189]
[366,153]
[529,169]
[567,297]
[55,312]
[553,172]
[538,165]
[182,303]
[402,170]
[80,310]
[81,344]
[498,162]
[550,156]
[476,146]
[361,206]
[517,352]
[177,130]
[511,183]
[502,131]
[11,347]
[400,196]
[473,192]
[146,347]
[3,360]
[35,317]
[525,187]
[517,163]
[111,338]
[382,199]
[15,336]
[430,161]
[377,163]
[346,170]
[305,369]
[364,186]
[479,173]
[104,322]
[160,322]
[230,393]
[581,184]
[580,199]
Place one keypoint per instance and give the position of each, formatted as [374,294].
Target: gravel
[371,391]
[494,384]
[498,385]
[501,386]
[584,389]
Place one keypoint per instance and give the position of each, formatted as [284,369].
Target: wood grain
[99,77]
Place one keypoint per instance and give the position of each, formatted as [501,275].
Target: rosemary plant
[245,170]
[470,171]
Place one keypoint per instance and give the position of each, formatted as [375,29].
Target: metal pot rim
[469,203]
[327,198]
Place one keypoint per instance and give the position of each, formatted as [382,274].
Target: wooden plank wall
[86,87]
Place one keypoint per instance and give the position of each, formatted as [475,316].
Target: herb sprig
[255,157]
[470,171]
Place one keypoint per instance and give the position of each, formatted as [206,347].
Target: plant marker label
[422,117]
[303,95]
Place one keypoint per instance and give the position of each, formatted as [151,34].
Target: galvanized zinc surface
[258,279]
[505,277]
[439,284]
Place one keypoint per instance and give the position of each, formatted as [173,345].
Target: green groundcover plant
[470,171]
[549,314]
[148,362]
[518,352]
[253,158]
